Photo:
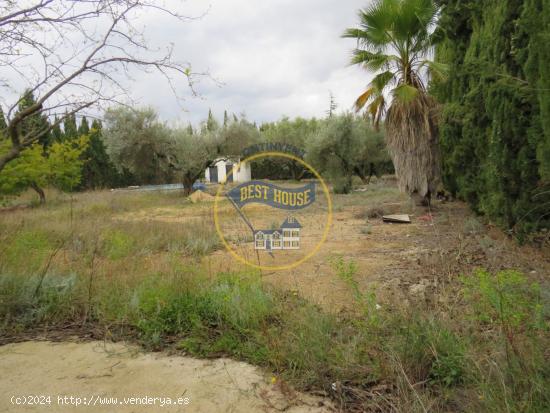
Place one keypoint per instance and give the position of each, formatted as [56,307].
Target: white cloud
[274,58]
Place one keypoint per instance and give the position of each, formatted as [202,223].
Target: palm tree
[395,40]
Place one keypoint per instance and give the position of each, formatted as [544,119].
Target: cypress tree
[332,105]
[211,124]
[84,128]
[225,119]
[34,124]
[70,130]
[98,170]
[57,133]
[495,130]
[3,124]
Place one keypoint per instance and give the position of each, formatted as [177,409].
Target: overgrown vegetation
[236,315]
[126,278]
[97,264]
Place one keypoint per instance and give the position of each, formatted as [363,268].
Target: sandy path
[97,371]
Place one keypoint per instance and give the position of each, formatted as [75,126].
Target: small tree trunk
[427,200]
[40,193]
[10,156]
[365,179]
[187,185]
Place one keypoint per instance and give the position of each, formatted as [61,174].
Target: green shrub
[428,351]
[26,302]
[495,122]
[506,299]
[26,251]
[118,244]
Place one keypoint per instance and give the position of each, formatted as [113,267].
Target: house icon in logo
[287,237]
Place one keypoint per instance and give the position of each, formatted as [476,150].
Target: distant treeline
[339,146]
[133,147]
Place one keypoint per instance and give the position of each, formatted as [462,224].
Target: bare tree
[73,55]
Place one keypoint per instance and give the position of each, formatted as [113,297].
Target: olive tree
[293,132]
[137,141]
[190,154]
[346,146]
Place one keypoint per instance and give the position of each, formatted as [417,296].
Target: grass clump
[427,351]
[512,315]
[27,302]
[26,250]
[143,238]
[118,244]
[208,315]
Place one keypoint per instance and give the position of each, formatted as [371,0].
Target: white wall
[221,170]
[244,174]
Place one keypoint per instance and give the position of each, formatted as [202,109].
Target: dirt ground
[399,262]
[98,373]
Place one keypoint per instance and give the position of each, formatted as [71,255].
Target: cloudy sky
[271,58]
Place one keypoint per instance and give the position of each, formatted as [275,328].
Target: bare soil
[400,262]
[95,371]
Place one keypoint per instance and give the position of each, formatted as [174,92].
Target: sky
[265,59]
[269,59]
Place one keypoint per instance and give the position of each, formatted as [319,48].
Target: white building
[221,170]
[285,238]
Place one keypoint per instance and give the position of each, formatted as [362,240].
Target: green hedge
[495,121]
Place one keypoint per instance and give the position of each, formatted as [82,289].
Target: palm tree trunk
[413,143]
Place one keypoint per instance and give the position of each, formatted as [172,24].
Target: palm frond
[377,21]
[376,109]
[362,100]
[436,70]
[354,33]
[382,80]
[371,61]
[405,93]
[414,19]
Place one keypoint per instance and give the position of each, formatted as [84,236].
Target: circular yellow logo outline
[325,232]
